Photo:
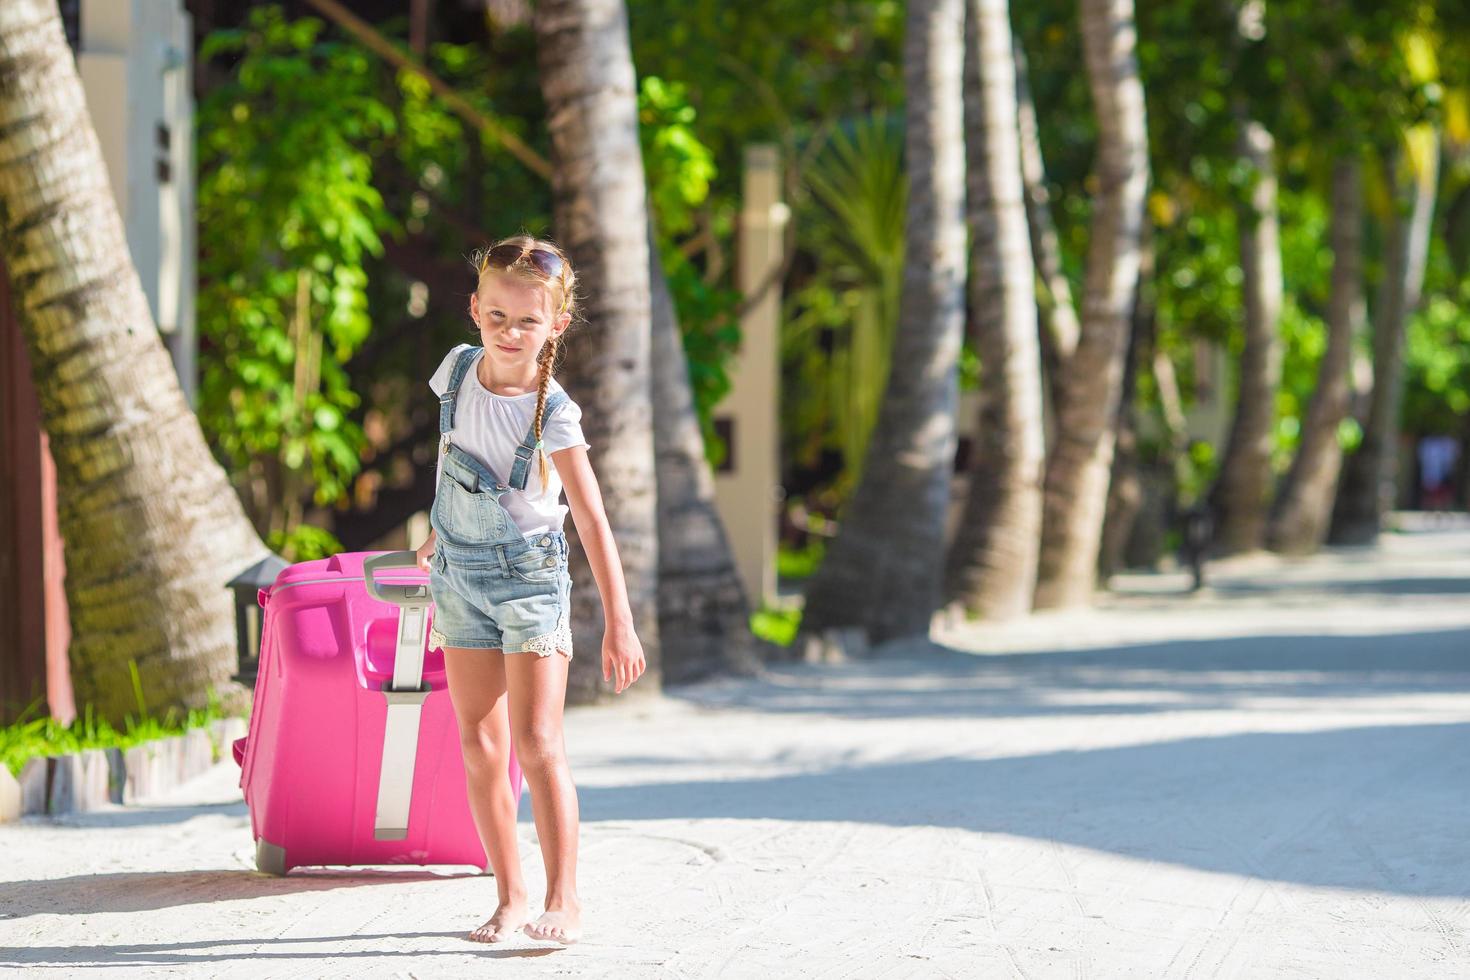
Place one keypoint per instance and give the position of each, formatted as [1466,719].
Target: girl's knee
[538,746]
[482,744]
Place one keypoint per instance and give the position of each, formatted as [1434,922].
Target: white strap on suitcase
[405,693]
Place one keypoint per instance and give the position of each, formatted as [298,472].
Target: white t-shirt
[489,427]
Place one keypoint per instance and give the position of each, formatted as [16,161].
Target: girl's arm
[622,653]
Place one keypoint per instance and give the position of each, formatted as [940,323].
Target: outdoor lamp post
[247,586]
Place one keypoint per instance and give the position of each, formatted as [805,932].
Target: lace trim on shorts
[558,640]
[437,640]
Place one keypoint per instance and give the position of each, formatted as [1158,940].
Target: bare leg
[477,689]
[538,687]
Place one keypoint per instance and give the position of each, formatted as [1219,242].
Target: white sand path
[1269,779]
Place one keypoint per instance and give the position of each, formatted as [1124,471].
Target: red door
[34,630]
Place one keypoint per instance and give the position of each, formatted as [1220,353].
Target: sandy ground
[1267,779]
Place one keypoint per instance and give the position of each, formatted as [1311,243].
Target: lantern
[247,587]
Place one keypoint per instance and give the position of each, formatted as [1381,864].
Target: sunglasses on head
[507,254]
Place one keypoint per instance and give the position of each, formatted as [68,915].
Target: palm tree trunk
[992,562]
[703,613]
[1058,314]
[1076,486]
[1242,495]
[1370,478]
[1300,519]
[152,529]
[586,76]
[1125,486]
[880,572]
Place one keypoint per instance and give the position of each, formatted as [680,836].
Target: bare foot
[508,917]
[562,924]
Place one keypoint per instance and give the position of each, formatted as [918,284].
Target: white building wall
[134,58]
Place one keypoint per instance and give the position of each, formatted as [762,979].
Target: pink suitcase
[353,753]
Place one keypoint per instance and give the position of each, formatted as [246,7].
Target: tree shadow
[145,815]
[1384,587]
[164,955]
[146,891]
[1210,674]
[1373,808]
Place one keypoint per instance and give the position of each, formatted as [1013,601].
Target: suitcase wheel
[270,859]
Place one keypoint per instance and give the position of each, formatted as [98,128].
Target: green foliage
[794,564]
[1198,273]
[288,215]
[25,740]
[778,626]
[451,178]
[840,325]
[1437,354]
[678,165]
[304,542]
[761,71]
[1306,266]
[1201,469]
[311,145]
[680,170]
[711,334]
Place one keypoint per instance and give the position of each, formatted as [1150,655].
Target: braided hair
[563,286]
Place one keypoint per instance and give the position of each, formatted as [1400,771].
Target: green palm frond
[856,229]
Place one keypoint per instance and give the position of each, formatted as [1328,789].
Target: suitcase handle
[405,694]
[398,595]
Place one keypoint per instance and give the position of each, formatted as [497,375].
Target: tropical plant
[680,169]
[28,737]
[854,222]
[288,215]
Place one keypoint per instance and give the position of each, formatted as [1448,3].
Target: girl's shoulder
[439,381]
[569,406]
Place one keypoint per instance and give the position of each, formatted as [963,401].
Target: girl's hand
[622,655]
[425,551]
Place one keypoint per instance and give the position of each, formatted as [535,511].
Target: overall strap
[447,400]
[522,466]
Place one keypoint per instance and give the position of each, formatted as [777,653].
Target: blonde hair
[563,287]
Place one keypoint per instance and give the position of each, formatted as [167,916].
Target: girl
[497,563]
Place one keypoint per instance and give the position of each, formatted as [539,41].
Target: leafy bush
[776,626]
[25,740]
[287,215]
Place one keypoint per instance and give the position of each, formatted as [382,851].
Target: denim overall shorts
[493,588]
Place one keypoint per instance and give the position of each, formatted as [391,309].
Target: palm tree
[1370,475]
[1299,521]
[880,572]
[152,528]
[1076,483]
[703,612]
[992,563]
[1127,486]
[600,211]
[1241,496]
[1057,313]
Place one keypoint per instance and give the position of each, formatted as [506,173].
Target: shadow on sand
[167,955]
[1372,807]
[1366,807]
[931,681]
[145,891]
